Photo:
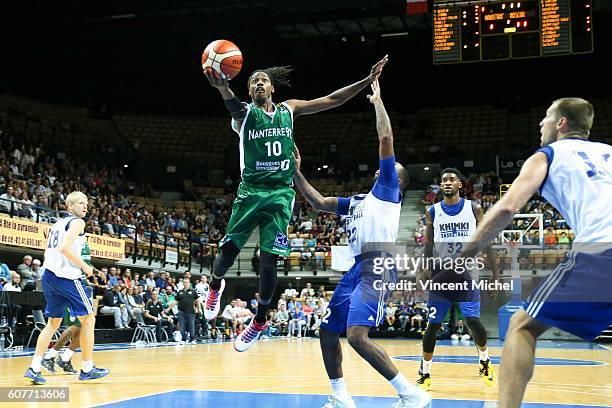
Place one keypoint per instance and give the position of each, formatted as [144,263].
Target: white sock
[484,355]
[401,385]
[36,367]
[87,366]
[339,389]
[67,355]
[51,353]
[427,366]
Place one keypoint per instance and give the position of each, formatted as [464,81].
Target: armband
[236,108]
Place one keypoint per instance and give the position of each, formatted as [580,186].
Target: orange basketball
[223,58]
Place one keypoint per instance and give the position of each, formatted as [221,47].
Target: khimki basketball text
[405,262]
[427,285]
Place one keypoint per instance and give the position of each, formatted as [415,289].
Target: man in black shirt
[112,305]
[154,313]
[187,298]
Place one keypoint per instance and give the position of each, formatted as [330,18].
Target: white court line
[572,391]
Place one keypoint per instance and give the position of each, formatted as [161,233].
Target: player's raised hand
[215,79]
[377,68]
[375,96]
[297,157]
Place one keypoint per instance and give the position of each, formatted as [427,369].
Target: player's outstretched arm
[77,227]
[338,97]
[532,175]
[383,123]
[235,107]
[316,200]
[387,185]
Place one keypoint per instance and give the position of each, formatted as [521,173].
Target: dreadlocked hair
[278,75]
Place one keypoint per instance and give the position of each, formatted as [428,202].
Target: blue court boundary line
[142,396]
[439,400]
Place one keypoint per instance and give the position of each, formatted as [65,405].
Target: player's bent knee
[328,340]
[55,322]
[519,320]
[478,330]
[429,338]
[327,335]
[472,320]
[522,321]
[357,338]
[87,320]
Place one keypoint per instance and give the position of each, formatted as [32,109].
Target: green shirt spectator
[563,239]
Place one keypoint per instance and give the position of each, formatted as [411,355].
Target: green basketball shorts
[267,207]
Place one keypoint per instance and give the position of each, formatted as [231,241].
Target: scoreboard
[491,30]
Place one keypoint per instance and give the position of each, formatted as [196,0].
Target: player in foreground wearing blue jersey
[63,287]
[575,176]
[357,305]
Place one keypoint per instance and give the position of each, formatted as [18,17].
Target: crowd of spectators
[35,182]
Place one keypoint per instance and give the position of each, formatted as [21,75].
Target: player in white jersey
[574,175]
[450,224]
[63,288]
[358,302]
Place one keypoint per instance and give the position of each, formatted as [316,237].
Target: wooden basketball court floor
[289,373]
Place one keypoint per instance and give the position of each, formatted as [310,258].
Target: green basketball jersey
[86,255]
[266,146]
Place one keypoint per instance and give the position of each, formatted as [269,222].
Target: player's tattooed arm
[336,98]
[314,197]
[532,175]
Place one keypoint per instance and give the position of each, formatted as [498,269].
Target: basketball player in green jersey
[70,334]
[265,196]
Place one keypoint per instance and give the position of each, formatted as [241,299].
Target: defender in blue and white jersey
[63,288]
[357,304]
[450,225]
[575,175]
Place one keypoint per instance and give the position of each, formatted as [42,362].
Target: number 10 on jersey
[274,148]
